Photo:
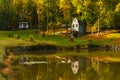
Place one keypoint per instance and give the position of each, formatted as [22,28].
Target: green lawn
[50,39]
[59,40]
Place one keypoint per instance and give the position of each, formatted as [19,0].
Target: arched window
[73,25]
[76,25]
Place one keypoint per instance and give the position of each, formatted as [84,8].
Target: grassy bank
[29,37]
[58,39]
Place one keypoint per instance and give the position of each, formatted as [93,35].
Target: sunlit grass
[60,40]
[113,35]
[50,39]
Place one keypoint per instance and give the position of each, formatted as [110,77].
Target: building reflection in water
[63,68]
[75,67]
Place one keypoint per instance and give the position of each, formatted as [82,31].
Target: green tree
[107,13]
[66,8]
[6,14]
[59,12]
[116,18]
[31,13]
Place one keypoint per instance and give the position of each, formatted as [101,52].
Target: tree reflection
[61,69]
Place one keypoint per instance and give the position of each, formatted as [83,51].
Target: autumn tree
[31,13]
[66,7]
[115,23]
[59,12]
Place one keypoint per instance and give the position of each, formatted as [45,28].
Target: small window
[73,25]
[76,25]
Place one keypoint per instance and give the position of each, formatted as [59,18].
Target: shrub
[9,35]
[31,37]
[16,36]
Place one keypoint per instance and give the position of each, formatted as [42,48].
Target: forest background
[57,14]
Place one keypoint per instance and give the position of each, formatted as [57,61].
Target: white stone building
[75,25]
[78,27]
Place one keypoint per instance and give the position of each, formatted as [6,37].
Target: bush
[16,36]
[9,35]
[31,37]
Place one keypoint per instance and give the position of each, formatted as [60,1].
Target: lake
[63,65]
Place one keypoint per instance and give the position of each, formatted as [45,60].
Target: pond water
[54,66]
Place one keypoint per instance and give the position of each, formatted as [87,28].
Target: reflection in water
[34,62]
[95,64]
[75,66]
[62,68]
